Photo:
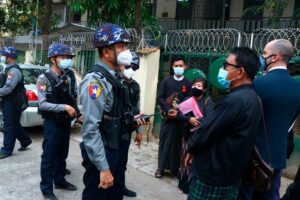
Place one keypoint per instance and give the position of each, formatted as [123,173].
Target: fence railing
[246,26]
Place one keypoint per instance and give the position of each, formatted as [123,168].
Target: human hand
[194,122]
[70,110]
[106,179]
[188,160]
[172,113]
[139,120]
[138,139]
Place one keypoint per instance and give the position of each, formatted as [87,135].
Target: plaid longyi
[202,191]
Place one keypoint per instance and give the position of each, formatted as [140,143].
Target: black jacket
[223,143]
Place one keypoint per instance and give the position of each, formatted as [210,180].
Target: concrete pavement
[20,173]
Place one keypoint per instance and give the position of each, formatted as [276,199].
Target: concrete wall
[168,6]
[147,77]
[236,9]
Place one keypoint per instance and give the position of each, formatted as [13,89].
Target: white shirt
[278,67]
[178,79]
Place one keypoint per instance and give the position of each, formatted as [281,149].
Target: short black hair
[177,58]
[202,80]
[248,59]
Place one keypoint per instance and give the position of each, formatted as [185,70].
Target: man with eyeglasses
[220,149]
[280,97]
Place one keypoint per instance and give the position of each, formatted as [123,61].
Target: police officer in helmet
[131,108]
[14,101]
[57,107]
[102,101]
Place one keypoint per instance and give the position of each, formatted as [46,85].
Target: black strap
[52,80]
[111,78]
[265,130]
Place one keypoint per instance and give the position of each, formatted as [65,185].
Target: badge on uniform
[42,87]
[10,76]
[95,89]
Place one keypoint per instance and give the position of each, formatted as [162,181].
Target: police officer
[57,107]
[131,108]
[11,106]
[102,101]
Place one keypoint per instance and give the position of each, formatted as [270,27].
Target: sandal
[158,174]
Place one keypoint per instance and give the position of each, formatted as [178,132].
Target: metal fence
[201,48]
[240,24]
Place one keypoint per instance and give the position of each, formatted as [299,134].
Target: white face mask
[124,58]
[129,73]
[3,59]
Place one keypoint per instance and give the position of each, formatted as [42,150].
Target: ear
[105,52]
[242,73]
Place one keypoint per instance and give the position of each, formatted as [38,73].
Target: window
[76,17]
[184,9]
[251,14]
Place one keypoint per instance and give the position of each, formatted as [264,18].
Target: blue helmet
[110,34]
[60,49]
[9,52]
[135,63]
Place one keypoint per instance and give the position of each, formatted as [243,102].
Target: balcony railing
[243,25]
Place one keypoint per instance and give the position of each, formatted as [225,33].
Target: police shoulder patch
[10,76]
[95,89]
[42,87]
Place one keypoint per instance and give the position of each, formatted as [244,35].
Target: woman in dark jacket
[205,105]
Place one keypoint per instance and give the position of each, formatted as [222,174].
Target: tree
[21,16]
[46,18]
[276,8]
[130,13]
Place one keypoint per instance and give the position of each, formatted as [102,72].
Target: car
[30,116]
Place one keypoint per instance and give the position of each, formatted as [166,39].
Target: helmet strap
[115,53]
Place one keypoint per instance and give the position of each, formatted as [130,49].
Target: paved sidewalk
[145,160]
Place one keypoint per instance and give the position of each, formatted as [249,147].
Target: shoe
[24,148]
[67,171]
[129,193]
[4,155]
[66,186]
[158,174]
[50,196]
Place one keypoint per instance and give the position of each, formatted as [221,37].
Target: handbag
[258,173]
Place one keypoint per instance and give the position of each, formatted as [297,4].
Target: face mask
[129,73]
[124,58]
[222,75]
[65,64]
[3,59]
[178,71]
[196,92]
[263,62]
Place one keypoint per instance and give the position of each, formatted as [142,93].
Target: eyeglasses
[227,63]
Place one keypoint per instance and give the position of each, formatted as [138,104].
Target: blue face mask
[178,71]
[222,75]
[263,62]
[65,64]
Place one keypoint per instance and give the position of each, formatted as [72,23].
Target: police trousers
[124,148]
[55,152]
[91,177]
[12,128]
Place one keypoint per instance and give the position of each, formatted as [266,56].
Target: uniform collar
[9,65]
[106,67]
